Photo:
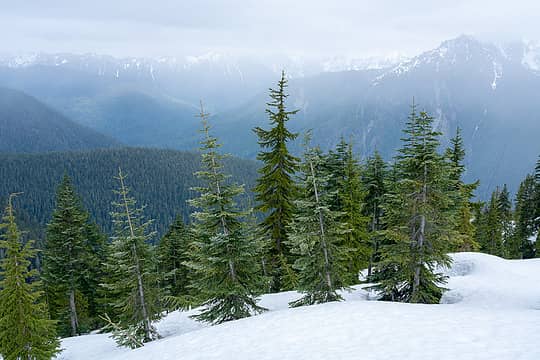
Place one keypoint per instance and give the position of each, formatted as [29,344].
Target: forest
[120,247]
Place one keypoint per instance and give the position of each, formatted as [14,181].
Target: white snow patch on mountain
[491,311]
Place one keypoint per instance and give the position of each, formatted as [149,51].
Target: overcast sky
[355,28]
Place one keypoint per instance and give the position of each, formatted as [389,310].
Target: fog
[309,28]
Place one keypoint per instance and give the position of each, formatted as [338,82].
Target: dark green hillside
[161,179]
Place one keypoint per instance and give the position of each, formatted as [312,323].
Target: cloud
[257,27]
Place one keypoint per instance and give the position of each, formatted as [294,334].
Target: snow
[491,311]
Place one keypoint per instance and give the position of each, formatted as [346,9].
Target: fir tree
[419,216]
[317,236]
[521,246]
[490,238]
[347,197]
[504,205]
[132,280]
[25,329]
[227,275]
[462,194]
[275,189]
[173,252]
[374,179]
[69,261]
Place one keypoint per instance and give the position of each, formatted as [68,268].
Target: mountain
[160,179]
[28,125]
[489,90]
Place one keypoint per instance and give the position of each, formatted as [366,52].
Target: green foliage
[173,252]
[318,236]
[276,189]
[227,275]
[420,215]
[374,180]
[525,219]
[131,336]
[461,196]
[161,178]
[132,281]
[74,250]
[345,184]
[25,329]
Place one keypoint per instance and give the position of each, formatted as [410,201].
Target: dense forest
[162,180]
[313,223]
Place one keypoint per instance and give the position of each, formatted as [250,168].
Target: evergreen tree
[346,191]
[525,219]
[275,189]
[25,329]
[374,180]
[462,195]
[173,252]
[491,230]
[70,262]
[227,275]
[132,281]
[420,218]
[317,236]
[504,205]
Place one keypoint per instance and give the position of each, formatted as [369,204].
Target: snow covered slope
[492,311]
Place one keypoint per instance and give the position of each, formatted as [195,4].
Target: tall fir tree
[504,205]
[525,221]
[227,275]
[347,198]
[276,190]
[173,252]
[374,180]
[490,234]
[71,260]
[462,195]
[26,332]
[132,281]
[318,236]
[420,217]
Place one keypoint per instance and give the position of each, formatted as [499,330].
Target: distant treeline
[162,180]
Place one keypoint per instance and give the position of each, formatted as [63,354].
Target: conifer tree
[276,190]
[173,252]
[132,281]
[68,261]
[317,236]
[420,217]
[462,195]
[26,332]
[504,205]
[374,179]
[491,229]
[227,275]
[347,197]
[521,246]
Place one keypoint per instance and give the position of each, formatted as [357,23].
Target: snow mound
[490,312]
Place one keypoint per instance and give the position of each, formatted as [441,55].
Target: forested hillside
[161,179]
[27,125]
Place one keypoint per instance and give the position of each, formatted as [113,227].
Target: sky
[309,28]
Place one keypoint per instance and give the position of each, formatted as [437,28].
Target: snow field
[491,311]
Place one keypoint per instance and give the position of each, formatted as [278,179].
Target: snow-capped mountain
[490,90]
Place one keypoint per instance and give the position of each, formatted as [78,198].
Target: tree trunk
[321,226]
[73,313]
[421,238]
[140,288]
